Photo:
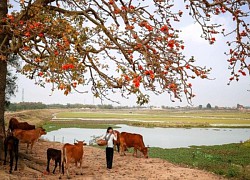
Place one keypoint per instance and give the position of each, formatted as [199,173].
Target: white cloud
[192,33]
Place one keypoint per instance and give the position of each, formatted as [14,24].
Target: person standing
[109,137]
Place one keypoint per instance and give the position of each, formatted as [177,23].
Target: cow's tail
[64,159]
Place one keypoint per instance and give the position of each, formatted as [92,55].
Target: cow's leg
[67,170]
[60,163]
[122,150]
[48,161]
[11,160]
[134,151]
[31,146]
[67,167]
[81,166]
[27,148]
[55,166]
[118,148]
[5,152]
[16,157]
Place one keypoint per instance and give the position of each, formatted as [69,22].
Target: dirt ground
[33,166]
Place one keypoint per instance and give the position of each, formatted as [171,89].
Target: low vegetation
[230,160]
[36,117]
[164,118]
[55,125]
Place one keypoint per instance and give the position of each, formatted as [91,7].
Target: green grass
[164,118]
[231,160]
[55,125]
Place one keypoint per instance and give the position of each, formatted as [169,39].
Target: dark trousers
[109,157]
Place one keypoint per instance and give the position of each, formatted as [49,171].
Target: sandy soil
[33,166]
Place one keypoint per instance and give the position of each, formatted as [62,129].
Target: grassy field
[51,126]
[146,118]
[230,160]
[163,118]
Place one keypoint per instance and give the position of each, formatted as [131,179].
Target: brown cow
[72,154]
[15,124]
[117,142]
[29,136]
[128,140]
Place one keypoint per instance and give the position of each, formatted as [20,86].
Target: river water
[160,137]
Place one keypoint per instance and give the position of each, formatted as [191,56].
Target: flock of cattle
[71,153]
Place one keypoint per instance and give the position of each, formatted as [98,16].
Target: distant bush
[26,106]
[40,105]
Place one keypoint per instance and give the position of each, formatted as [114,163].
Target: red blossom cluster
[146,25]
[40,74]
[68,66]
[137,81]
[150,73]
[127,78]
[164,29]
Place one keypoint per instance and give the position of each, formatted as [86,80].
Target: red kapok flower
[41,35]
[117,11]
[140,67]
[131,7]
[149,27]
[40,73]
[136,81]
[56,53]
[111,2]
[124,8]
[68,66]
[171,43]
[164,29]
[26,48]
[27,34]
[127,78]
[187,66]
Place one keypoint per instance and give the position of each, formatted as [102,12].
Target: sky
[216,92]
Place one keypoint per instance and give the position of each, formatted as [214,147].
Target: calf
[29,136]
[11,145]
[15,124]
[72,154]
[55,155]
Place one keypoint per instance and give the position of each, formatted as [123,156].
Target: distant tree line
[40,105]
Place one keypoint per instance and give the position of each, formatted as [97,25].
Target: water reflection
[160,137]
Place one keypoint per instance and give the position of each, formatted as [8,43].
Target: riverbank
[229,160]
[154,118]
[53,119]
[33,166]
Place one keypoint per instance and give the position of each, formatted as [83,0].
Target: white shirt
[110,141]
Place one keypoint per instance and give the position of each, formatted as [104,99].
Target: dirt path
[32,166]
